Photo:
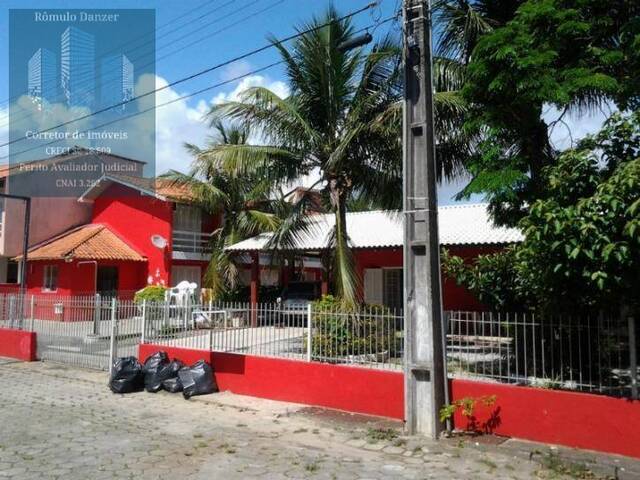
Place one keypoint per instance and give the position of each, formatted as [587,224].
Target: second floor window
[187,218]
[50,283]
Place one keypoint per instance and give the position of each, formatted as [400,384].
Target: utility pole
[25,250]
[424,365]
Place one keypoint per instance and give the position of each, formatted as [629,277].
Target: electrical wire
[184,97]
[195,75]
[180,49]
[145,35]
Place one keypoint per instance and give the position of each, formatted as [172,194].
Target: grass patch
[558,468]
[227,448]
[375,435]
[312,467]
[488,463]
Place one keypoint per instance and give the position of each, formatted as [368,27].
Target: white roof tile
[458,225]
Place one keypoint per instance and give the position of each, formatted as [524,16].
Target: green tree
[574,55]
[243,205]
[339,120]
[582,243]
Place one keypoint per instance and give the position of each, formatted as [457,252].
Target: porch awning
[458,225]
[87,242]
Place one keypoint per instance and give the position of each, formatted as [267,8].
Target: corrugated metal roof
[458,225]
[88,242]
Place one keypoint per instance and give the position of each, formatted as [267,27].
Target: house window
[187,218]
[392,285]
[50,278]
[185,273]
[12,271]
[384,286]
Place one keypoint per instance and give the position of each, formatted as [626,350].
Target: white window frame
[186,272]
[50,278]
[385,288]
[187,218]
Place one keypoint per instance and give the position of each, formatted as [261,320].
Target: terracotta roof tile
[88,242]
[163,187]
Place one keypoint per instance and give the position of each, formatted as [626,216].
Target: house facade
[50,216]
[139,232]
[377,241]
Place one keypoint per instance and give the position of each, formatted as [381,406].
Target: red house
[377,240]
[142,231]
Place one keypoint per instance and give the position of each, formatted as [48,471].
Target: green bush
[339,332]
[151,293]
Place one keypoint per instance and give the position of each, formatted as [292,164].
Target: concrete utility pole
[25,251]
[424,365]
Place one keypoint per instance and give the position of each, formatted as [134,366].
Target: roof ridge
[123,240]
[92,233]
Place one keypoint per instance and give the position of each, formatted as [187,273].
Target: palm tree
[337,121]
[343,120]
[242,203]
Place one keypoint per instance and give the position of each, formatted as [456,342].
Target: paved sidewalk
[63,423]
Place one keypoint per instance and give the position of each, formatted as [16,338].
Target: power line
[183,97]
[145,35]
[247,17]
[197,74]
[142,112]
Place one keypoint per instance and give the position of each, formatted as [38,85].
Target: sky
[192,35]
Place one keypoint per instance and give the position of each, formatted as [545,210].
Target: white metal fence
[592,354]
[371,337]
[76,330]
[579,353]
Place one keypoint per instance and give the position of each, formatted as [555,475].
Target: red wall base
[17,344]
[358,390]
[565,418]
[580,420]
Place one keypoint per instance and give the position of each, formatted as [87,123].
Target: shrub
[150,293]
[339,332]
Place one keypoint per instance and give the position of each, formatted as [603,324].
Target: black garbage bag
[197,379]
[169,373]
[127,375]
[172,385]
[153,371]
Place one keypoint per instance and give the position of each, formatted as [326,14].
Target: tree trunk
[346,278]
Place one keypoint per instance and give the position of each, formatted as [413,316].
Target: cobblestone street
[63,423]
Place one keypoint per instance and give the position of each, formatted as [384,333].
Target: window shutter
[373,286]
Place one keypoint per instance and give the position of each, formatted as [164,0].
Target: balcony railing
[191,242]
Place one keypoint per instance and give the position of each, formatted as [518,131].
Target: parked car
[294,301]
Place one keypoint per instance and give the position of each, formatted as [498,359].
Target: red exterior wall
[360,390]
[578,420]
[9,288]
[135,218]
[565,418]
[17,344]
[79,279]
[454,297]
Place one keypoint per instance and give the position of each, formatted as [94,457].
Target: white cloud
[279,88]
[236,69]
[178,123]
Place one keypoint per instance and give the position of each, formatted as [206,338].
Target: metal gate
[84,331]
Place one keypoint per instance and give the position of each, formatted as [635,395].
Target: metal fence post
[32,312]
[633,357]
[143,337]
[96,316]
[113,351]
[12,312]
[308,332]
